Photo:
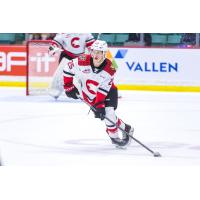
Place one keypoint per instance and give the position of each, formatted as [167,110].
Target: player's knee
[110,113]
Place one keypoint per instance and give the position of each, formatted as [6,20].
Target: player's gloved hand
[71,91]
[99,112]
[53,49]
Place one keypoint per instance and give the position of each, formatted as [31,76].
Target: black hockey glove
[53,49]
[72,92]
[100,113]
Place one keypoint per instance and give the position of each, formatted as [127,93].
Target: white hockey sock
[112,130]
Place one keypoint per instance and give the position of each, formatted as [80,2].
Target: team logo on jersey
[92,86]
[86,71]
[75,42]
[82,57]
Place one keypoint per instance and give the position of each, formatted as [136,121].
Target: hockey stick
[155,154]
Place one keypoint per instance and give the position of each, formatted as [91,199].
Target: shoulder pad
[109,68]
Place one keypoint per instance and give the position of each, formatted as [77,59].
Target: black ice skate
[125,135]
[119,143]
[126,140]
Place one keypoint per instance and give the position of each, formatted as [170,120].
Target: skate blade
[121,147]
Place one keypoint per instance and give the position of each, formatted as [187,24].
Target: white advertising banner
[157,66]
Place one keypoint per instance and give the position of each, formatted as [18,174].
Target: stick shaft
[113,123]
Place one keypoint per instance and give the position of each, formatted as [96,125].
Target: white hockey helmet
[100,45]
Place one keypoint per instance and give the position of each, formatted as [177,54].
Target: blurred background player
[71,46]
[95,75]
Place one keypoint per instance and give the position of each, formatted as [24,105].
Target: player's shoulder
[84,60]
[109,67]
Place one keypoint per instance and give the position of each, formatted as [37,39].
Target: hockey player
[71,46]
[95,75]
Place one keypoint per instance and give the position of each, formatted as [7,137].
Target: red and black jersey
[94,82]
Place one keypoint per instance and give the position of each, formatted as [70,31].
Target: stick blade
[157,154]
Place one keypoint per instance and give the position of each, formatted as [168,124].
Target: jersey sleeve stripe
[105,92]
[67,73]
[111,126]
[89,40]
[58,43]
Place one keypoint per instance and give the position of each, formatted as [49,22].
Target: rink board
[156,69]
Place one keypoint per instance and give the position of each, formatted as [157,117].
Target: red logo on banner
[13,60]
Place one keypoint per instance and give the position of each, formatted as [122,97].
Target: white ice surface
[39,131]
